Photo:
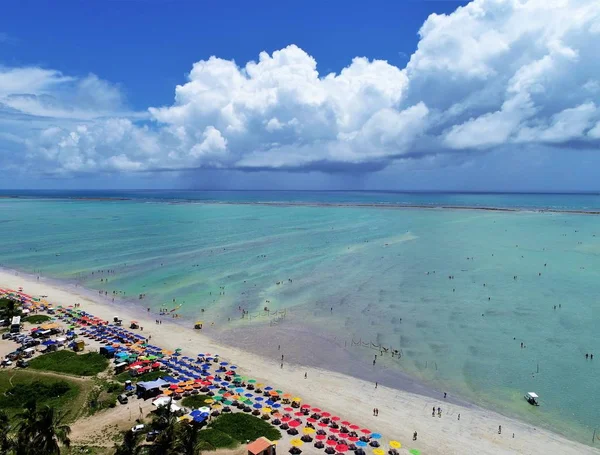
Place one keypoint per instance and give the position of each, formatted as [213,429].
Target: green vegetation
[36,430]
[195,401]
[243,427]
[18,387]
[103,395]
[9,308]
[37,318]
[69,362]
[211,439]
[150,376]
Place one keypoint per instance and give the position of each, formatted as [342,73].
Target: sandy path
[400,413]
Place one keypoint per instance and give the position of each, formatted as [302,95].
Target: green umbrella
[178,350]
[252,381]
[228,403]
[151,357]
[231,386]
[279,391]
[221,392]
[415,451]
[217,398]
[247,401]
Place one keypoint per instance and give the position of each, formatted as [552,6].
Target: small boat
[532,398]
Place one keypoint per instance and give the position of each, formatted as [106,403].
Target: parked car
[123,399]
[138,428]
[21,363]
[151,435]
[6,336]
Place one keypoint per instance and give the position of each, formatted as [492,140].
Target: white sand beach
[400,413]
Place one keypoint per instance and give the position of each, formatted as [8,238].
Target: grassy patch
[69,362]
[17,387]
[103,395]
[243,427]
[211,439]
[195,401]
[150,376]
[37,318]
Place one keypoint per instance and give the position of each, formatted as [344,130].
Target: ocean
[454,291]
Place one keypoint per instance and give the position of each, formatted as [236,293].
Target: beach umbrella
[298,399]
[296,442]
[311,420]
[352,438]
[305,406]
[325,414]
[375,436]
[257,406]
[365,431]
[395,445]
[354,427]
[345,423]
[414,451]
[308,430]
[320,437]
[334,430]
[378,452]
[322,424]
[341,448]
[335,418]
[294,424]
[361,444]
[331,442]
[288,409]
[251,381]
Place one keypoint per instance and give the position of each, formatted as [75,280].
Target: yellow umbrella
[168,392]
[378,452]
[296,442]
[297,399]
[209,401]
[216,405]
[266,410]
[395,444]
[260,385]
[308,430]
[185,417]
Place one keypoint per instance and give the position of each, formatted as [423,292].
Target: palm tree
[187,442]
[41,431]
[130,444]
[6,443]
[165,422]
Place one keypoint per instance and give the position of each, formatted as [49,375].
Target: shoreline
[402,412]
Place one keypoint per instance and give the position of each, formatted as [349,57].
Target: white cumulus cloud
[490,74]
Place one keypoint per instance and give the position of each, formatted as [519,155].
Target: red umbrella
[345,423]
[365,431]
[288,409]
[341,447]
[322,424]
[335,430]
[299,414]
[173,387]
[317,410]
[352,438]
[286,419]
[320,437]
[335,418]
[305,406]
[354,427]
[331,442]
[311,420]
[294,424]
[326,414]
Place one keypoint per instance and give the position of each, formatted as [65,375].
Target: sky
[488,95]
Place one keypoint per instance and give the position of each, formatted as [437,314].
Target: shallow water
[369,274]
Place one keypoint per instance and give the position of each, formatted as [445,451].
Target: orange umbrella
[273,393]
[168,392]
[179,390]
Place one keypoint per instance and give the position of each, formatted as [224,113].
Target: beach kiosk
[262,446]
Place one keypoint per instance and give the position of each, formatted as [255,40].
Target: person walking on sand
[459,416]
[415,436]
[499,429]
[373,412]
[305,375]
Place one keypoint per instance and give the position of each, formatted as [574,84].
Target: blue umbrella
[259,398]
[239,390]
[268,388]
[248,395]
[257,406]
[223,363]
[276,405]
[224,383]
[270,402]
[361,444]
[375,436]
[233,367]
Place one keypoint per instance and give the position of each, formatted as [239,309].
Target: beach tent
[107,351]
[149,388]
[164,401]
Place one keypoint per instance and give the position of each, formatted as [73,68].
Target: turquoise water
[376,274]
